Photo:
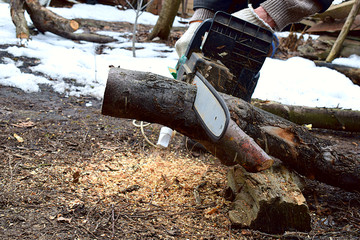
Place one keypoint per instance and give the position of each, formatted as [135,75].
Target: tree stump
[269,201]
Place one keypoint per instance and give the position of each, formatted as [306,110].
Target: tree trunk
[165,21]
[153,98]
[335,119]
[154,7]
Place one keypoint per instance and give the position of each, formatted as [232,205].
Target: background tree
[138,11]
[166,18]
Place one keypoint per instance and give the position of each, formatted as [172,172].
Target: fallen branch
[350,72]
[47,21]
[335,119]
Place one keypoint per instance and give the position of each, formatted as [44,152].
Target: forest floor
[68,172]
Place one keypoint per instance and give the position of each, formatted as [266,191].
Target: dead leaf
[18,138]
[213,210]
[76,177]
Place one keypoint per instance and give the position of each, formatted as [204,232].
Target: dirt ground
[68,172]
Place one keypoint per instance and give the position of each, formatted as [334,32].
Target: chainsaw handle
[196,39]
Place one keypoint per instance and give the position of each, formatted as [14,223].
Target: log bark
[153,98]
[335,119]
[165,21]
[269,201]
[297,147]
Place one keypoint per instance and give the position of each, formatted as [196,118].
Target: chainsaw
[225,55]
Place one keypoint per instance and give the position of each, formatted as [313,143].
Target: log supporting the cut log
[335,119]
[270,201]
[153,98]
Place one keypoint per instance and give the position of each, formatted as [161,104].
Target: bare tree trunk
[165,21]
[154,7]
[153,98]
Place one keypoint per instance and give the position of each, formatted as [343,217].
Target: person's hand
[256,16]
[182,44]
[260,18]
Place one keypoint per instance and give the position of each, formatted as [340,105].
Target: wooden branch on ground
[47,21]
[350,72]
[335,119]
[153,98]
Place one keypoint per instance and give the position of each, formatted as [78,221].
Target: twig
[113,221]
[197,194]
[152,196]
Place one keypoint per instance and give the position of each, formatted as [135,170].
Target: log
[47,21]
[170,103]
[153,98]
[270,201]
[297,147]
[320,48]
[17,11]
[351,72]
[327,118]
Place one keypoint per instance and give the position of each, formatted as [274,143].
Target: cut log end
[265,165]
[74,25]
[22,35]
